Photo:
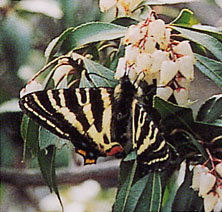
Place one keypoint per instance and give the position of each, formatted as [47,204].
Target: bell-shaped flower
[149,45]
[131,53]
[168,71]
[157,29]
[164,92]
[181,95]
[158,57]
[134,34]
[210,201]
[165,40]
[143,62]
[197,171]
[207,181]
[185,65]
[184,48]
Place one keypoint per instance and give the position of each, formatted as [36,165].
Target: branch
[105,172]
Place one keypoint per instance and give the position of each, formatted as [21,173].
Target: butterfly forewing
[79,115]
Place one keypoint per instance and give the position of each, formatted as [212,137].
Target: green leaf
[211,68]
[186,198]
[174,116]
[127,174]
[29,132]
[185,18]
[209,42]
[93,32]
[47,138]
[46,159]
[145,195]
[100,75]
[211,111]
[55,42]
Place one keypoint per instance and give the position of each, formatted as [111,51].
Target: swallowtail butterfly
[99,121]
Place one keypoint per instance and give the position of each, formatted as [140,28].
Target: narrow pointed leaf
[211,68]
[145,194]
[46,159]
[209,42]
[211,110]
[127,174]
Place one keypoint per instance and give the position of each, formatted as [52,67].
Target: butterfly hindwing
[80,115]
[151,147]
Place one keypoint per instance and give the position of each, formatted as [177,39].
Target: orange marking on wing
[115,150]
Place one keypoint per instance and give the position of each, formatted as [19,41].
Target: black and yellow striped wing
[151,147]
[81,115]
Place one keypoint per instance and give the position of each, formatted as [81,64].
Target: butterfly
[100,121]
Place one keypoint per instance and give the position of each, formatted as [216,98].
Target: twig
[105,172]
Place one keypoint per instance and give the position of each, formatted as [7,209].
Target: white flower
[183,82]
[158,57]
[164,41]
[185,65]
[197,171]
[157,29]
[150,45]
[143,62]
[106,4]
[31,86]
[168,71]
[184,48]
[131,53]
[207,181]
[181,95]
[164,92]
[121,68]
[210,201]
[219,169]
[134,34]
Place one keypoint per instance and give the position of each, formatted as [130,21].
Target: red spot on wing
[115,150]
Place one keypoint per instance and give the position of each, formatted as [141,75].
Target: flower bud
[219,169]
[197,171]
[210,201]
[207,181]
[168,70]
[185,65]
[164,92]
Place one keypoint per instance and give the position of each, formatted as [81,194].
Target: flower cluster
[150,50]
[209,185]
[123,7]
